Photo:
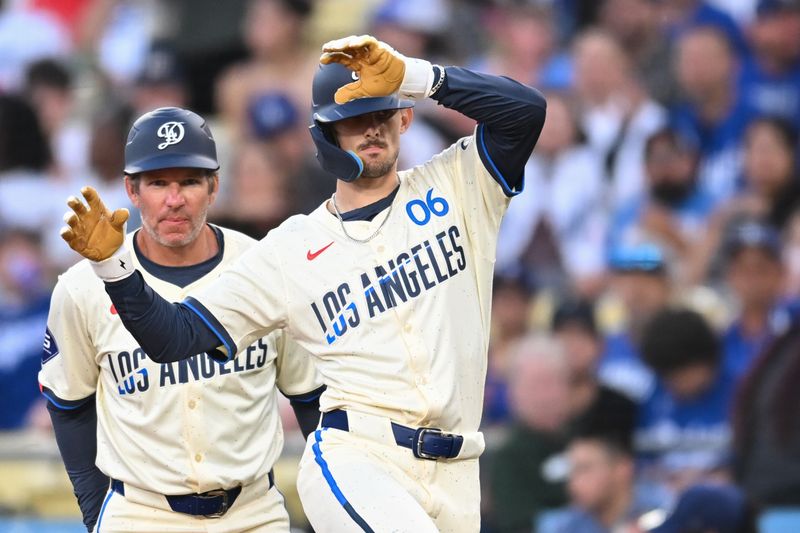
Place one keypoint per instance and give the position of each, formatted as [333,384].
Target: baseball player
[182,442]
[388,284]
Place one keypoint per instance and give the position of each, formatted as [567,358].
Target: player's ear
[213,187]
[132,188]
[406,116]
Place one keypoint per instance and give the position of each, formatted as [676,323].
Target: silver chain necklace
[341,221]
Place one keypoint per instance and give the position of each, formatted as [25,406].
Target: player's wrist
[117,267]
[419,78]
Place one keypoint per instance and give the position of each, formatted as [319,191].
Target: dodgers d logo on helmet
[172,133]
[186,142]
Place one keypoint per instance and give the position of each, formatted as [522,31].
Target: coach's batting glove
[381,69]
[98,235]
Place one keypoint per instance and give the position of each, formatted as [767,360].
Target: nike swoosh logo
[313,255]
[464,143]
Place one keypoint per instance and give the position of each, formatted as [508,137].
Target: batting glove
[98,235]
[381,70]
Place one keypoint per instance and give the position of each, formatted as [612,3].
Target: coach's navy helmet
[170,137]
[346,166]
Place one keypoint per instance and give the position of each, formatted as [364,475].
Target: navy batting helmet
[170,137]
[346,165]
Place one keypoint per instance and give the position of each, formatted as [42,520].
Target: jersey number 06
[432,204]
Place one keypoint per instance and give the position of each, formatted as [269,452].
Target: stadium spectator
[770,78]
[526,474]
[755,277]
[771,191]
[257,198]
[635,25]
[275,123]
[49,87]
[712,114]
[25,281]
[717,508]
[641,283]
[683,433]
[672,209]
[593,405]
[601,486]
[524,46]
[27,34]
[616,114]
[26,173]
[512,294]
[680,16]
[274,35]
[161,82]
[556,227]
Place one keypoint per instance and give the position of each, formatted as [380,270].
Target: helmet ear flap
[345,165]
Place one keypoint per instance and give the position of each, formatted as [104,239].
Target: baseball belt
[211,504]
[424,442]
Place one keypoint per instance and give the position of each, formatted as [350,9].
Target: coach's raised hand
[97,234]
[381,69]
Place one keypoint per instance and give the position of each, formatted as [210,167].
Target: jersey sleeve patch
[213,324]
[491,167]
[49,346]
[61,403]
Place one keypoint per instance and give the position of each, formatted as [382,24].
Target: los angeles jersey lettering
[408,311]
[160,425]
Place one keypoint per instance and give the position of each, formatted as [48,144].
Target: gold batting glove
[382,71]
[94,232]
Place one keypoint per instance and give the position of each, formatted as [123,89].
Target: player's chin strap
[345,165]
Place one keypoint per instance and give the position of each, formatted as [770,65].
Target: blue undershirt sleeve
[76,435]
[510,118]
[168,331]
[306,410]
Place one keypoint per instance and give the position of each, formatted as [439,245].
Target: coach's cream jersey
[399,325]
[173,428]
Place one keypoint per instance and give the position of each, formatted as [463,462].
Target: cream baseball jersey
[399,324]
[173,428]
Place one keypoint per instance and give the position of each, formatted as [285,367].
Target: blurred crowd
[645,352]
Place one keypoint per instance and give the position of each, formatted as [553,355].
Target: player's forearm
[510,116]
[76,435]
[166,331]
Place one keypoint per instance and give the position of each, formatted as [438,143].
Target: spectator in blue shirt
[639,279]
[683,433]
[771,193]
[601,487]
[673,209]
[770,76]
[712,114]
[24,302]
[679,16]
[755,277]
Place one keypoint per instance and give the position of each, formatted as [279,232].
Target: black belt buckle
[418,441]
[215,494]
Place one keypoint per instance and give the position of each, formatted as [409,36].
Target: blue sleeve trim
[67,405]
[306,397]
[492,168]
[326,473]
[212,324]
